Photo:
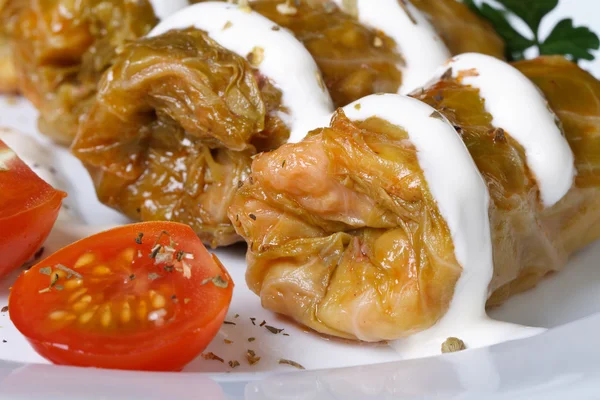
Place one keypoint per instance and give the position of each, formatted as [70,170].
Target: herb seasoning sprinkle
[290,362]
[273,330]
[212,356]
[251,357]
[452,345]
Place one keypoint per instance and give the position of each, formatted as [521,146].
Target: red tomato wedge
[145,296]
[28,209]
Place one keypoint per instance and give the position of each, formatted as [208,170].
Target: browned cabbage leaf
[345,238]
[172,129]
[461,29]
[8,73]
[61,49]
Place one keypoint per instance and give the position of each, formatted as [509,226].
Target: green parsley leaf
[516,44]
[531,12]
[567,39]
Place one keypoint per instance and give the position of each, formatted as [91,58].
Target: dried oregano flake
[452,345]
[251,357]
[212,356]
[290,362]
[218,281]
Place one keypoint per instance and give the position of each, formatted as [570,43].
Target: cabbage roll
[173,128]
[62,48]
[345,234]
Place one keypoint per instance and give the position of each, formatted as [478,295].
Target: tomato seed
[83,303]
[84,260]
[101,270]
[59,315]
[126,313]
[142,310]
[77,295]
[73,284]
[128,254]
[106,317]
[86,317]
[60,273]
[159,301]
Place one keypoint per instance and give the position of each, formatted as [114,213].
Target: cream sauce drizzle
[285,59]
[519,107]
[463,200]
[416,39]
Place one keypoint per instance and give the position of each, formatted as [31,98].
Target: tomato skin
[173,356]
[29,208]
[168,347]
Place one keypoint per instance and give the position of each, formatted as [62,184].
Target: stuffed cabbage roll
[62,48]
[178,117]
[380,226]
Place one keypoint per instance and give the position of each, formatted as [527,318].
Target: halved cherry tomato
[145,296]
[28,209]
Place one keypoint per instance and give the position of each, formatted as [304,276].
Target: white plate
[564,360]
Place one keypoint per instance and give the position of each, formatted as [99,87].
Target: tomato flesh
[146,296]
[28,209]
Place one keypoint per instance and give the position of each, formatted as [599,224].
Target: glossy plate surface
[564,362]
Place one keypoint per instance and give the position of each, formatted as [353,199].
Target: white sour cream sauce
[463,200]
[520,108]
[416,39]
[286,61]
[164,8]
